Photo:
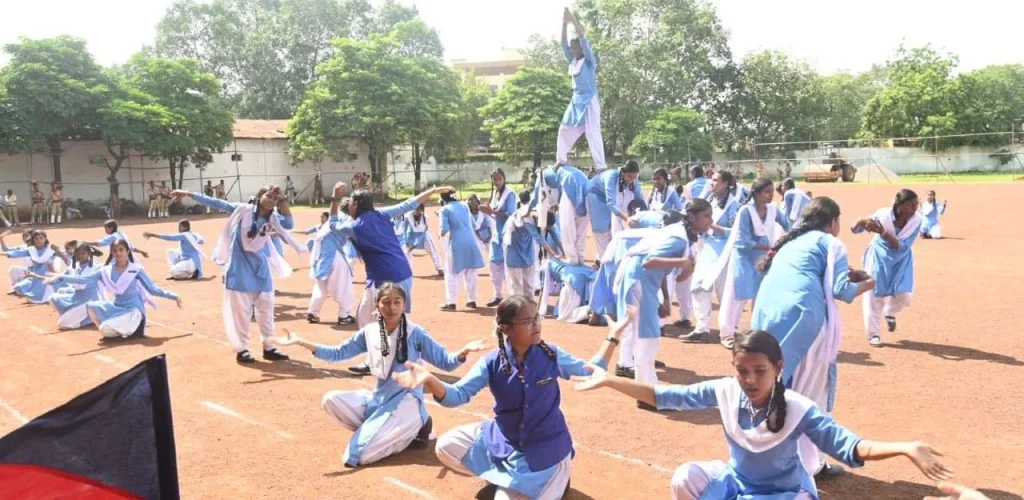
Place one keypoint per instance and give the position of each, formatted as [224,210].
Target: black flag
[113,442]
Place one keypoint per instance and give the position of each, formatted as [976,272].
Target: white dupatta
[762,228]
[322,232]
[800,200]
[758,439]
[194,241]
[576,66]
[885,217]
[832,331]
[38,257]
[242,219]
[380,366]
[125,280]
[722,259]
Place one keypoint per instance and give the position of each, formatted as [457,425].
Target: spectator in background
[208,192]
[289,190]
[56,202]
[38,209]
[318,190]
[3,211]
[11,204]
[222,192]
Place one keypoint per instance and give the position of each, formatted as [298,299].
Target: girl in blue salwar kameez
[186,261]
[71,300]
[763,423]
[390,418]
[41,258]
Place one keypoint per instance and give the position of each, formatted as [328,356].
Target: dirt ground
[946,376]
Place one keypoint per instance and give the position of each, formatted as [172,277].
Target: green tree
[525,115]
[202,124]
[674,133]
[990,100]
[542,52]
[845,96]
[53,89]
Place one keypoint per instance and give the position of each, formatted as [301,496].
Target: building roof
[260,129]
[490,68]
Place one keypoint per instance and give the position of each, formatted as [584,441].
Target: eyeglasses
[529,323]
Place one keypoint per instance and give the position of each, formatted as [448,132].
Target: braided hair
[403,326]
[663,173]
[692,208]
[903,196]
[762,342]
[672,217]
[499,191]
[819,213]
[506,313]
[255,202]
[83,247]
[631,167]
[730,180]
[760,184]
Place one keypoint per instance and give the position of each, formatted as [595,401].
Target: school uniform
[564,187]
[930,212]
[763,465]
[331,269]
[17,273]
[522,240]
[797,305]
[793,203]
[602,296]
[417,237]
[464,256]
[250,264]
[573,283]
[504,205]
[71,301]
[742,279]
[187,260]
[697,188]
[483,231]
[607,199]
[131,290]
[386,420]
[526,450]
[665,200]
[893,270]
[109,239]
[709,273]
[583,115]
[39,262]
[640,287]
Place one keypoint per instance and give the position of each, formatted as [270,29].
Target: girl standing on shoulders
[931,210]
[526,450]
[131,288]
[806,272]
[889,259]
[186,262]
[392,417]
[763,423]
[500,208]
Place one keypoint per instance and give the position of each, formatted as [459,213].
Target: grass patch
[953,177]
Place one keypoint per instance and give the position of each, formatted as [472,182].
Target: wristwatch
[613,340]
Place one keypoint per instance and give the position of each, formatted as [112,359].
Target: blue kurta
[71,296]
[697,188]
[793,203]
[503,203]
[713,246]
[790,304]
[415,237]
[632,273]
[462,248]
[553,237]
[665,200]
[33,289]
[577,276]
[388,394]
[649,218]
[603,195]
[373,235]
[248,272]
[584,85]
[123,303]
[112,237]
[746,277]
[893,268]
[774,474]
[931,212]
[188,251]
[602,298]
[566,180]
[522,251]
[331,247]
[528,437]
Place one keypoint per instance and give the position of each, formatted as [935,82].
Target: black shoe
[487,492]
[440,272]
[594,320]
[347,320]
[447,307]
[360,369]
[568,485]
[683,323]
[140,331]
[624,372]
[659,364]
[829,471]
[195,275]
[644,406]
[890,323]
[312,319]
[423,437]
[245,357]
[494,302]
[275,355]
[695,337]
[471,305]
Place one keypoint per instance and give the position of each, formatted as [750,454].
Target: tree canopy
[525,115]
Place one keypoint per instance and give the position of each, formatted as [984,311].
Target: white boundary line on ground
[14,412]
[38,330]
[111,361]
[408,488]
[635,461]
[210,405]
[3,314]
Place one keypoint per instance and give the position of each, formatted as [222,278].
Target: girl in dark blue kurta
[526,450]
[763,423]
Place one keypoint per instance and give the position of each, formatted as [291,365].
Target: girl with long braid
[42,258]
[889,259]
[663,197]
[500,208]
[526,450]
[712,257]
[752,235]
[806,272]
[464,257]
[71,301]
[418,237]
[482,225]
[793,201]
[609,195]
[764,424]
[392,417]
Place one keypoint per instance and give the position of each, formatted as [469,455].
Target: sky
[831,35]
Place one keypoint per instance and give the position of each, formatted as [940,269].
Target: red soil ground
[946,376]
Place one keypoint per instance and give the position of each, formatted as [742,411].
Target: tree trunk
[417,161]
[115,188]
[172,161]
[536,159]
[374,172]
[53,144]
[181,175]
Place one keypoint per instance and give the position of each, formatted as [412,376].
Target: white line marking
[232,413]
[635,461]
[195,333]
[111,361]
[36,329]
[3,314]
[408,488]
[14,413]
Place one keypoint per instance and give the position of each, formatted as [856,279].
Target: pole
[238,174]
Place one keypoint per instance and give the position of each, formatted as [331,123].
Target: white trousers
[810,379]
[121,326]
[933,232]
[498,280]
[397,433]
[570,304]
[238,310]
[567,136]
[180,268]
[573,229]
[453,445]
[602,240]
[453,282]
[521,280]
[337,286]
[17,273]
[876,307]
[692,478]
[683,296]
[702,305]
[431,248]
[74,317]
[730,312]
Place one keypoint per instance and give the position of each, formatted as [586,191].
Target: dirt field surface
[948,375]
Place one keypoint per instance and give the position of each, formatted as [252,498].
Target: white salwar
[730,310]
[180,268]
[572,228]
[570,308]
[17,273]
[337,286]
[394,436]
[453,281]
[567,136]
[452,447]
[623,199]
